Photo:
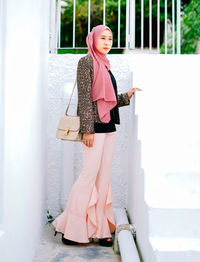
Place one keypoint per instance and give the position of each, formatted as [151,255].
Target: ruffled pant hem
[82,228]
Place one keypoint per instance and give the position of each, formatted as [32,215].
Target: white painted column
[2,105]
[53,26]
[24,46]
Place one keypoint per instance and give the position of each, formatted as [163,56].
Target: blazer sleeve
[84,83]
[123,99]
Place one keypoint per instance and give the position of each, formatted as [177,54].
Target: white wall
[24,45]
[164,178]
[2,96]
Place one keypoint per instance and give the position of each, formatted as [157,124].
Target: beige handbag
[69,126]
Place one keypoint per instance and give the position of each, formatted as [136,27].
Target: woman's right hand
[88,139]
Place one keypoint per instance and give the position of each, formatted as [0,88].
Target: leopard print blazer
[86,108]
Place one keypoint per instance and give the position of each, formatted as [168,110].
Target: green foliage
[154,21]
[81,29]
[190,30]
[96,14]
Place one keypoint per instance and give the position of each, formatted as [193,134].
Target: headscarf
[102,88]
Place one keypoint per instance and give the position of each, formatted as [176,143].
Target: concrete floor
[51,249]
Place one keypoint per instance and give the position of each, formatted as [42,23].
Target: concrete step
[175,249]
[181,223]
[51,249]
[174,190]
[173,203]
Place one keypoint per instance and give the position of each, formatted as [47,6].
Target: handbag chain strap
[71,96]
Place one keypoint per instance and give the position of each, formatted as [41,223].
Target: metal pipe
[132,24]
[58,23]
[127,24]
[165,26]
[124,240]
[122,47]
[158,26]
[74,20]
[119,10]
[150,25]
[173,31]
[104,12]
[142,24]
[89,7]
[178,26]
[53,27]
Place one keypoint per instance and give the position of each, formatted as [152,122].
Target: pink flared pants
[88,212]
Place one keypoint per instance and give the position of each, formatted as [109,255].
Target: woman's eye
[103,38]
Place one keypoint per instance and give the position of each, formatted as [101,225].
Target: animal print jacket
[86,108]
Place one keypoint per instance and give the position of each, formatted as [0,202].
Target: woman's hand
[88,139]
[132,91]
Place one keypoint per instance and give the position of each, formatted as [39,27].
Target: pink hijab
[102,88]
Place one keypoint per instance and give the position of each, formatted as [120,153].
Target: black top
[110,126]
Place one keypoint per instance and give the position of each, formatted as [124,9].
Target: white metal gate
[55,25]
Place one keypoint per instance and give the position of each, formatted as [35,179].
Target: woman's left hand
[132,91]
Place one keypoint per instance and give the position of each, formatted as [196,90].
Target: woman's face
[105,42]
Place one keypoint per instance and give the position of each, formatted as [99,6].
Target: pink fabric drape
[102,89]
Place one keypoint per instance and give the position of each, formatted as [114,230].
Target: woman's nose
[106,42]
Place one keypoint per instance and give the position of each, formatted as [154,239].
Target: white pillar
[53,27]
[2,98]
[24,46]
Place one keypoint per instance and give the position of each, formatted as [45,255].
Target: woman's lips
[106,48]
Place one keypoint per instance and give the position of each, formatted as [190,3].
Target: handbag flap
[71,122]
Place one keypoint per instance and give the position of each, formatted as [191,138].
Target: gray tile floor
[51,249]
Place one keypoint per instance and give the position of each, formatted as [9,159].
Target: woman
[88,213]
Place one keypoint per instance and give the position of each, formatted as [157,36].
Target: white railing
[131,25]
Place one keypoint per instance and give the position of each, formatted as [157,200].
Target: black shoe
[105,242]
[91,240]
[68,241]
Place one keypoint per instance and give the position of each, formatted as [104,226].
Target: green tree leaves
[190,29]
[190,23]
